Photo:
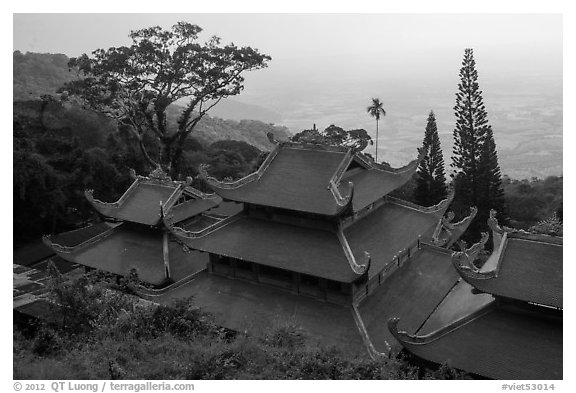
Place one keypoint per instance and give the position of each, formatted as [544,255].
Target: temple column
[166,256]
[211,263]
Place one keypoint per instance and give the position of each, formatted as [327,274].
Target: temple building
[503,320]
[316,237]
[318,221]
[137,239]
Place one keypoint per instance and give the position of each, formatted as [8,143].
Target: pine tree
[476,178]
[430,177]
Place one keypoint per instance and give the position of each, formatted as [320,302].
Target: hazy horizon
[325,68]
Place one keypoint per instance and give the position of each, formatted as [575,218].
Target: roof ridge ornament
[446,224]
[469,255]
[158,176]
[132,174]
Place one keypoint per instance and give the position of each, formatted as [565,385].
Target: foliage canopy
[136,84]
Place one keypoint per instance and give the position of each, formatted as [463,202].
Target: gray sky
[326,67]
[533,40]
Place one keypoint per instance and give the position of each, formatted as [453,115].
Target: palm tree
[375,110]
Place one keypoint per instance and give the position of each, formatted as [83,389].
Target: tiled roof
[372,184]
[127,247]
[389,229]
[300,249]
[528,270]
[299,177]
[257,309]
[32,253]
[412,293]
[142,202]
[382,233]
[296,179]
[495,343]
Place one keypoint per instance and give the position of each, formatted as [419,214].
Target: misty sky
[326,67]
[392,40]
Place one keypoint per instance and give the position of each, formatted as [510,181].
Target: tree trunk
[376,140]
[145,152]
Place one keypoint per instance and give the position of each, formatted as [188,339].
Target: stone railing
[396,262]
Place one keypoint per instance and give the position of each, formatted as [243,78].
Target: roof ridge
[414,339]
[47,240]
[358,268]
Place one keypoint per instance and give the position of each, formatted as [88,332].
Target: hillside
[37,74]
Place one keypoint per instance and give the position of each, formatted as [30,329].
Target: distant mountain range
[37,74]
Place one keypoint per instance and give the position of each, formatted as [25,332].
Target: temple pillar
[166,255]
[210,266]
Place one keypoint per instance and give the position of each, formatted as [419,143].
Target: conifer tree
[476,178]
[430,176]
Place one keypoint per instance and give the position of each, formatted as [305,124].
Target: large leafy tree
[476,177]
[136,84]
[430,176]
[376,110]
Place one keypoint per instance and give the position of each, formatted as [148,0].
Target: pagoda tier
[125,247]
[340,251]
[147,196]
[525,267]
[318,179]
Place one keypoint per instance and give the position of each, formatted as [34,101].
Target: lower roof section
[35,252]
[324,251]
[256,309]
[126,247]
[387,230]
[412,293]
[527,270]
[304,250]
[495,343]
